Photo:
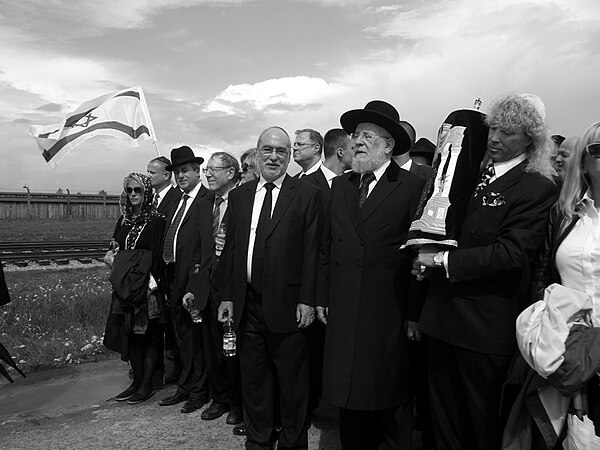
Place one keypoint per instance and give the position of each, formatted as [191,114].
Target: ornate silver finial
[477,104]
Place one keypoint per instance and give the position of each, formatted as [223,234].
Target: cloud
[280,94]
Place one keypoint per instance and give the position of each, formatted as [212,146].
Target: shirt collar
[163,191]
[500,168]
[192,194]
[329,175]
[278,182]
[314,168]
[407,165]
[381,170]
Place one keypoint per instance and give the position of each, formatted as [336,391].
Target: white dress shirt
[578,256]
[329,175]
[192,195]
[259,199]
[162,194]
[378,174]
[312,169]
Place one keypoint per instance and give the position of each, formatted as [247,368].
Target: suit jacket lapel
[288,191]
[351,195]
[499,186]
[245,208]
[384,187]
[202,192]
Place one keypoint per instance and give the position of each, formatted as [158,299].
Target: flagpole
[156,147]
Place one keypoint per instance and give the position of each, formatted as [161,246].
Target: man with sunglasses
[307,151]
[364,281]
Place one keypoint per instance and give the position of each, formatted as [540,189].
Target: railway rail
[51,250]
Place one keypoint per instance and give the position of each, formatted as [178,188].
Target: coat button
[473,230]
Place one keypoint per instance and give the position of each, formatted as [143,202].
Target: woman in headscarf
[136,330]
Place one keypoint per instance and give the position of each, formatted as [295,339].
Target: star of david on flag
[123,115]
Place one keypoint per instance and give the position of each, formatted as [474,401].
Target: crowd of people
[328,303]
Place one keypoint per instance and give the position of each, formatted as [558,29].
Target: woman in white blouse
[571,258]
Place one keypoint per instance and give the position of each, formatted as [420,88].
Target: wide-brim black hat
[183,155]
[383,114]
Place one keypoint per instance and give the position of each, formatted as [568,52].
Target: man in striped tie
[187,256]
[222,172]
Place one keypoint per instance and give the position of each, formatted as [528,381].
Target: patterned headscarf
[146,211]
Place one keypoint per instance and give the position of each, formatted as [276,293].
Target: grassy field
[55,317]
[55,230]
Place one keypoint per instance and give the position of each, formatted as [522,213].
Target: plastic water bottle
[220,239]
[229,345]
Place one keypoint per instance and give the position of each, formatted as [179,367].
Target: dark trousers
[419,387]
[223,371]
[269,360]
[465,393]
[376,430]
[316,344]
[145,352]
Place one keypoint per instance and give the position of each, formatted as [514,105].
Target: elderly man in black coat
[363,284]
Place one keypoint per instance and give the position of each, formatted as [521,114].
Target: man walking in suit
[478,289]
[363,284]
[187,258]
[222,173]
[307,151]
[271,255]
[337,151]
[166,199]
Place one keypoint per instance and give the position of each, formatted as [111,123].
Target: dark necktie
[259,242]
[169,246]
[217,214]
[363,190]
[487,174]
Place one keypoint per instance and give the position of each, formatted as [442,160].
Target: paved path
[72,408]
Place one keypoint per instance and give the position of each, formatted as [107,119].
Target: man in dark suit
[166,199]
[187,256]
[364,284]
[271,255]
[478,289]
[337,151]
[222,173]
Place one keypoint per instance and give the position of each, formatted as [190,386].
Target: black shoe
[214,411]
[192,404]
[235,416]
[140,396]
[178,397]
[240,430]
[126,393]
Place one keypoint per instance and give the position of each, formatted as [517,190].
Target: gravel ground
[106,424]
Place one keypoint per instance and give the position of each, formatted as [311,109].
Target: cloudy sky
[217,72]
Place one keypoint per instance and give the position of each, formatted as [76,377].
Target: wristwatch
[438,259]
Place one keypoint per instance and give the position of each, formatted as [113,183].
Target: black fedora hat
[383,114]
[183,155]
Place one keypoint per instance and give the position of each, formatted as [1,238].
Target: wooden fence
[58,206]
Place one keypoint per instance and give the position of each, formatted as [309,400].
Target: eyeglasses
[137,190]
[214,169]
[281,152]
[593,150]
[367,136]
[246,167]
[302,144]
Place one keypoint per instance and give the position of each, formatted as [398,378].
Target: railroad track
[51,250]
